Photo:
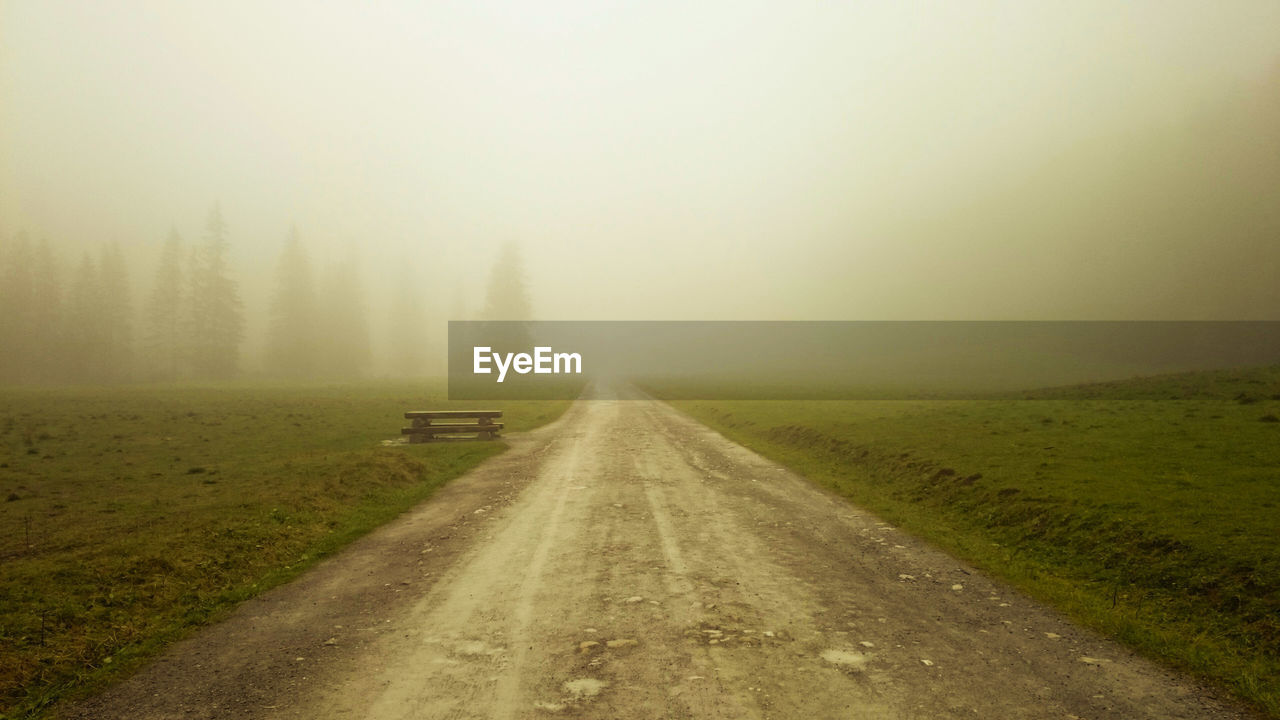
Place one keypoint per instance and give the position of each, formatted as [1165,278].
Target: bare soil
[628,562]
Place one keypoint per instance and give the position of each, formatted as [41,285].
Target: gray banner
[816,360]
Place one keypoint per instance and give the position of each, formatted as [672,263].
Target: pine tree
[166,308]
[47,311]
[84,340]
[216,314]
[345,347]
[408,341]
[458,309]
[507,297]
[16,321]
[292,338]
[116,315]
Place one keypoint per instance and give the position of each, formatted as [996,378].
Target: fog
[661,160]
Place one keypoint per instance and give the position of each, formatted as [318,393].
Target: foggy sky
[654,160]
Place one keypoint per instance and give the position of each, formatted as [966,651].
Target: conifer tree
[507,299]
[166,308]
[47,315]
[115,313]
[508,296]
[16,320]
[14,304]
[215,313]
[292,336]
[345,347]
[83,349]
[408,327]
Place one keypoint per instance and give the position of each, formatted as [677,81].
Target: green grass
[1147,509]
[130,516]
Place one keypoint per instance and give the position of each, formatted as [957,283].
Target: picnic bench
[436,425]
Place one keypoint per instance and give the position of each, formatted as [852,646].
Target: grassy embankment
[1147,509]
[130,516]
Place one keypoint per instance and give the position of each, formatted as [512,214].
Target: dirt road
[627,562]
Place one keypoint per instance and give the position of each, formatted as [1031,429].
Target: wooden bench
[456,425]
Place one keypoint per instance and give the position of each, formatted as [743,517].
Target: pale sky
[654,160]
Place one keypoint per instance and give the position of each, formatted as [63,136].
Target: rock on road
[628,562]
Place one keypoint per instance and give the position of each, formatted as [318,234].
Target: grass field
[1148,509]
[132,515]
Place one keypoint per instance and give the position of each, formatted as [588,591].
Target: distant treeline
[80,322]
[55,328]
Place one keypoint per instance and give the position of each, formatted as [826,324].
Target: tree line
[49,335]
[80,323]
